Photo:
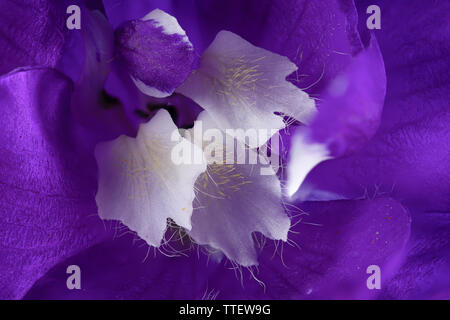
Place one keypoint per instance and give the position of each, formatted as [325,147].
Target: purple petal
[349,115]
[31,34]
[331,262]
[425,272]
[351,106]
[104,120]
[409,158]
[47,184]
[336,242]
[119,11]
[126,269]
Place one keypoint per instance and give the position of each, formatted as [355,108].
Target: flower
[239,86]
[53,119]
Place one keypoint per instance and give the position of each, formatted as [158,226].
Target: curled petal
[409,157]
[349,115]
[350,112]
[304,156]
[156,53]
[141,186]
[242,86]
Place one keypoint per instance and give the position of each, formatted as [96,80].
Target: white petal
[241,86]
[304,156]
[141,186]
[232,202]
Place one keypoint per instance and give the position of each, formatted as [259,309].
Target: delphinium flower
[240,86]
[304,68]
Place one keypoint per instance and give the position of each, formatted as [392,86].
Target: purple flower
[364,179]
